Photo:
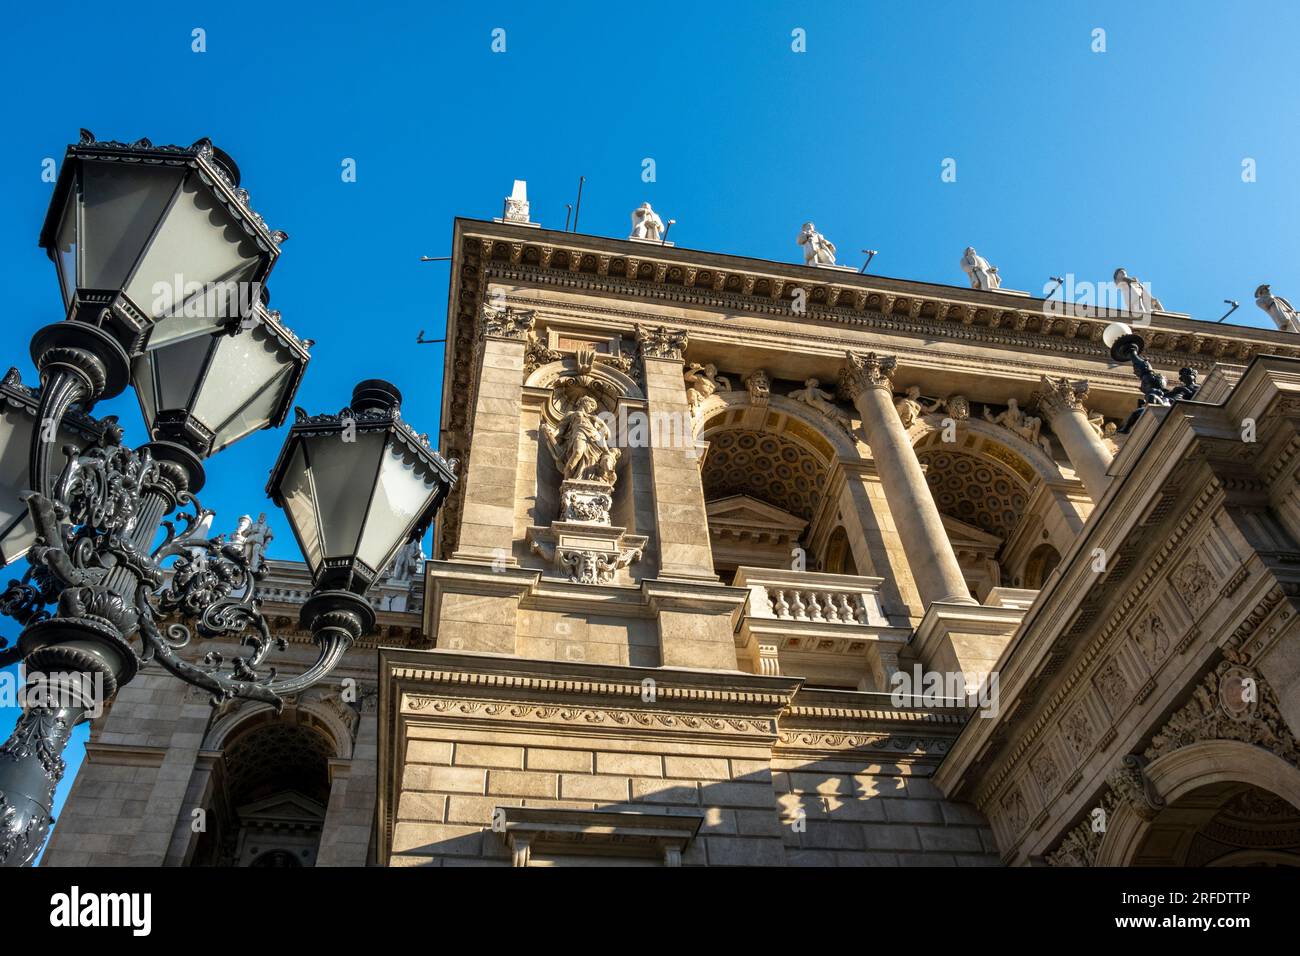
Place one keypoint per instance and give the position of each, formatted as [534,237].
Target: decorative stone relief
[1078,732]
[814,396]
[507,323]
[1016,810]
[536,354]
[1151,637]
[1025,427]
[1193,583]
[760,387]
[661,342]
[1133,786]
[1045,771]
[1114,688]
[702,381]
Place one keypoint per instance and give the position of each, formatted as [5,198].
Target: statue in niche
[580,444]
[977,269]
[1027,427]
[701,382]
[813,395]
[817,249]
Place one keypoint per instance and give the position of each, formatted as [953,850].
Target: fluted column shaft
[933,562]
[1061,403]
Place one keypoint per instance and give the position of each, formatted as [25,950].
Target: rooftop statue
[1137,296]
[977,269]
[646,224]
[817,249]
[1281,311]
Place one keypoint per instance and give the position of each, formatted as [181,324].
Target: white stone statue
[977,269]
[252,539]
[813,395]
[701,382]
[817,249]
[1281,311]
[1137,297]
[646,224]
[1018,423]
[408,563]
[910,407]
[581,444]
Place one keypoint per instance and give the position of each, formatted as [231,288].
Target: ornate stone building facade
[680,647]
[722,526]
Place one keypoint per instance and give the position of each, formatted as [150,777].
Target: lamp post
[162,264]
[1127,346]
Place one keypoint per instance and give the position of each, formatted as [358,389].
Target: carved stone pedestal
[587,552]
[585,501]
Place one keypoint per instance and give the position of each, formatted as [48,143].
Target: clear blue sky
[1067,160]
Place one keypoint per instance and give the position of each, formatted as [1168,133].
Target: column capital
[661,342]
[506,323]
[1056,395]
[861,372]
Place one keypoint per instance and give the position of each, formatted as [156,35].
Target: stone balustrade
[812,596]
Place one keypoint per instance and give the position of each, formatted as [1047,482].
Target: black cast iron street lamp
[162,265]
[1127,346]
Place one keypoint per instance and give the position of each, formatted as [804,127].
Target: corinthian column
[934,565]
[1061,402]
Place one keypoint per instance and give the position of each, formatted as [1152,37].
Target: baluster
[780,606]
[798,609]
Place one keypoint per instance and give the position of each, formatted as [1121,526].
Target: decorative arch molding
[1033,460]
[828,436]
[619,383]
[317,714]
[1186,770]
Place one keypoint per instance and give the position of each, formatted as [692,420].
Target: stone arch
[839,553]
[267,786]
[1041,562]
[314,713]
[1197,768]
[828,440]
[1025,459]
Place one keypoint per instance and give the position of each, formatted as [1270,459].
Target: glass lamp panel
[300,506]
[121,205]
[16,529]
[146,389]
[177,368]
[343,475]
[256,414]
[402,493]
[248,375]
[67,248]
[198,246]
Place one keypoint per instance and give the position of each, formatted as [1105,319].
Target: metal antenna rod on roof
[577,210]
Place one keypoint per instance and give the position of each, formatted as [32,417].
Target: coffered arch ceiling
[766,466]
[975,489]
